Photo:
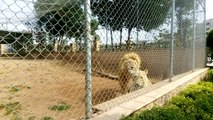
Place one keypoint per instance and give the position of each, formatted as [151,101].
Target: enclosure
[60,58]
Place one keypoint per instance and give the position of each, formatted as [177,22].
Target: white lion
[139,79]
[131,77]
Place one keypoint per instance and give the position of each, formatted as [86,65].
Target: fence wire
[69,59]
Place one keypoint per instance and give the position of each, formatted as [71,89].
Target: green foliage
[32,118]
[60,17]
[194,103]
[47,118]
[2,106]
[49,47]
[13,108]
[209,40]
[157,113]
[18,46]
[118,14]
[149,22]
[17,88]
[185,6]
[184,22]
[16,117]
[94,26]
[45,6]
[60,107]
[209,76]
[66,19]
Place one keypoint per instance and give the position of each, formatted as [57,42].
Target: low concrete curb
[157,96]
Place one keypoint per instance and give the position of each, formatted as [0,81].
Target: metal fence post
[206,52]
[88,96]
[194,37]
[171,51]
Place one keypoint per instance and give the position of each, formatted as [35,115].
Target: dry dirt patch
[39,84]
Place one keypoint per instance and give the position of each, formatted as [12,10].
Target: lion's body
[131,78]
[140,78]
[129,63]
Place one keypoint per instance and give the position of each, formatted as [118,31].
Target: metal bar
[88,95]
[194,37]
[203,6]
[204,9]
[171,52]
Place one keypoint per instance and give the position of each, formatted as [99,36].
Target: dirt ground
[37,83]
[40,84]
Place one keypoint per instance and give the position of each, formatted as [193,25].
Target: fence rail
[61,59]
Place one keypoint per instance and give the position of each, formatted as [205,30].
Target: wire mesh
[200,35]
[45,53]
[189,43]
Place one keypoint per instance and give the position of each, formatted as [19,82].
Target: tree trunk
[111,39]
[106,47]
[55,43]
[129,33]
[121,31]
[180,26]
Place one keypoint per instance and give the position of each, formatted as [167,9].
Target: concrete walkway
[158,96]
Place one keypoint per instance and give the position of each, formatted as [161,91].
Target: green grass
[2,106]
[32,118]
[17,88]
[47,118]
[13,108]
[60,107]
[16,117]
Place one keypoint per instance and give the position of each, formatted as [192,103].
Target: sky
[16,12]
[209,9]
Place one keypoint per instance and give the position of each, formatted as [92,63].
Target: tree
[61,18]
[94,26]
[209,40]
[104,10]
[150,17]
[120,14]
[52,22]
[183,10]
[184,32]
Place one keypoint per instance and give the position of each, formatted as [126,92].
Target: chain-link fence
[69,59]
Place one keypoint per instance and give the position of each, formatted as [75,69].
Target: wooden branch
[106,75]
[99,66]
